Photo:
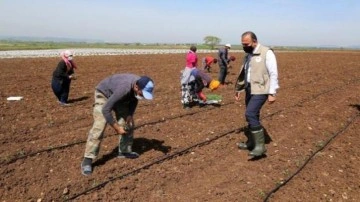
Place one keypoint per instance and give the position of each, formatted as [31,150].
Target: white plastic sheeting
[88,52]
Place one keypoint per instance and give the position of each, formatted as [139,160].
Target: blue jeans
[61,89]
[254,104]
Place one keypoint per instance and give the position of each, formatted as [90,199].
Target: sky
[275,22]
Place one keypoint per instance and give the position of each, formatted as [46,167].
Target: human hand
[202,96]
[237,96]
[271,99]
[119,129]
[130,122]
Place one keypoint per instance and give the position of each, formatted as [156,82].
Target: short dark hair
[252,35]
[193,48]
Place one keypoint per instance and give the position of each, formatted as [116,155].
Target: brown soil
[186,155]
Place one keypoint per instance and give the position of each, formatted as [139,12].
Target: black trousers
[222,74]
[61,89]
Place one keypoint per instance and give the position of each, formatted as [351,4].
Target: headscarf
[69,63]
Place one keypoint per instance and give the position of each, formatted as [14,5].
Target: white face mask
[139,97]
[70,58]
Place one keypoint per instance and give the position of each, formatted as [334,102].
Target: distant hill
[91,41]
[355,47]
[335,46]
[317,47]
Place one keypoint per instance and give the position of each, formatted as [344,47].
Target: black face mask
[248,49]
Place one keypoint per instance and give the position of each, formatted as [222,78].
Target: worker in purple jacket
[118,93]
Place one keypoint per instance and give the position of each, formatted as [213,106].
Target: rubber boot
[259,139]
[126,142]
[125,146]
[249,144]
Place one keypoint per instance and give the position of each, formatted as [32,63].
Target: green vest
[259,75]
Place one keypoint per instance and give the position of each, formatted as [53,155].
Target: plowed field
[186,155]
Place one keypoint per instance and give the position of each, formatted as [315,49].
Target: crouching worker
[207,62]
[202,80]
[118,93]
[62,77]
[188,97]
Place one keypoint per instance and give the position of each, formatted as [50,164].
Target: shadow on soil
[212,104]
[141,145]
[356,106]
[78,99]
[268,138]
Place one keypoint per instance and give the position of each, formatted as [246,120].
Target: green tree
[212,41]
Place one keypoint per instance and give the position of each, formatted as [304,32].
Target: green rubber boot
[259,139]
[249,144]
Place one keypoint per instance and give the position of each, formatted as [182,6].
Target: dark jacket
[61,72]
[202,80]
[223,57]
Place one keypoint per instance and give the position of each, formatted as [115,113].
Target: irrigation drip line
[160,160]
[311,98]
[16,158]
[163,120]
[171,118]
[200,144]
[310,158]
[41,151]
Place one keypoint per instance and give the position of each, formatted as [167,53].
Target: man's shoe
[64,104]
[86,168]
[128,155]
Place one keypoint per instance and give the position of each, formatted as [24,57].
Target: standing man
[223,63]
[119,93]
[259,78]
